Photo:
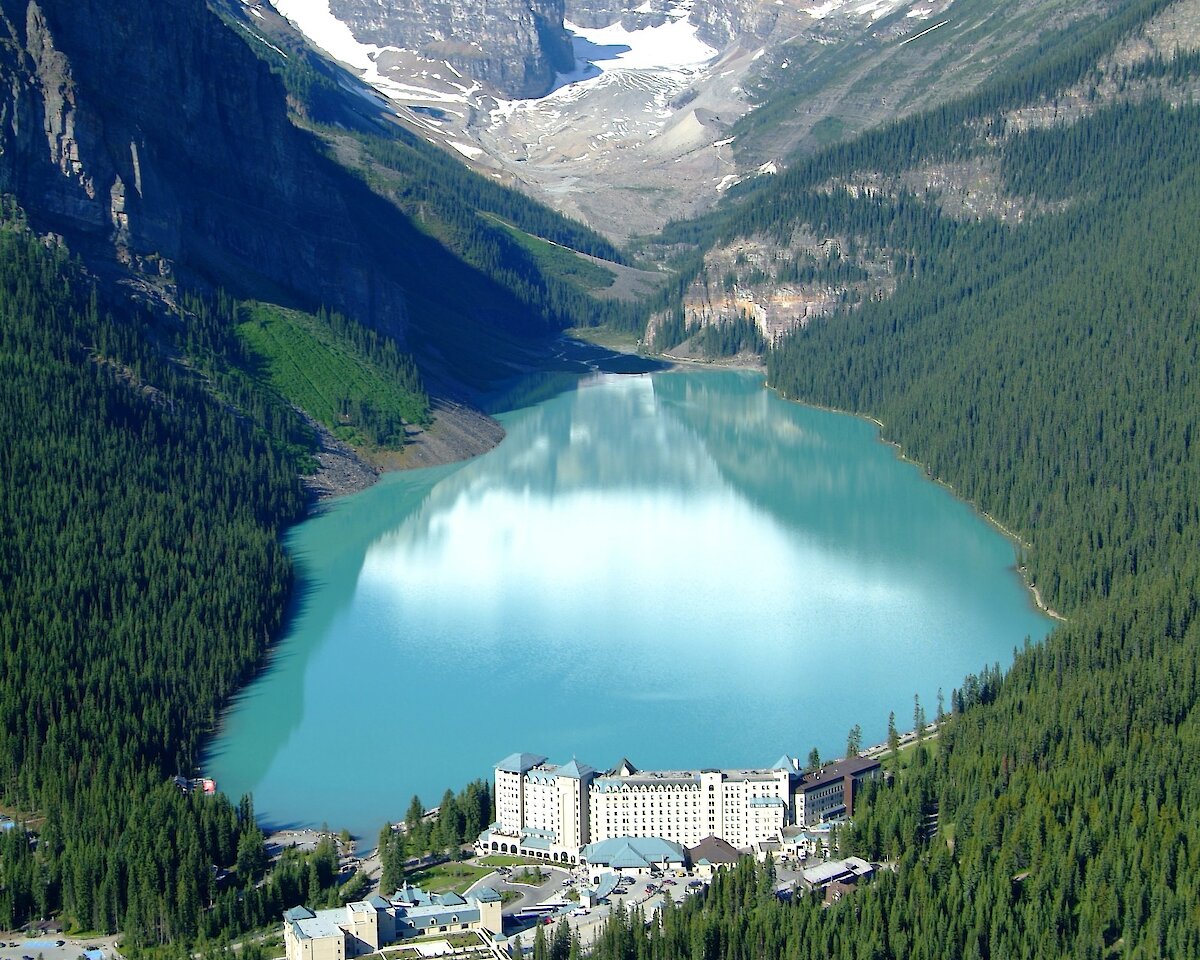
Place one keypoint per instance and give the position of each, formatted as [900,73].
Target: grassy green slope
[363,396]
[561,262]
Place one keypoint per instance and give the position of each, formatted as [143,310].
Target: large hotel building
[550,811]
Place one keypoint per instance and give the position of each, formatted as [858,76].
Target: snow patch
[466,149]
[314,19]
[821,11]
[263,40]
[674,45]
[875,9]
[770,167]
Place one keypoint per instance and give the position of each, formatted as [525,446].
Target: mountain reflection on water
[678,567]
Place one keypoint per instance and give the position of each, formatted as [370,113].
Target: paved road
[530,896]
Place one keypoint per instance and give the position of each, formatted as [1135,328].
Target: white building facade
[551,812]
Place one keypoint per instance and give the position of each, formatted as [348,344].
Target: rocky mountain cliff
[151,137]
[515,47]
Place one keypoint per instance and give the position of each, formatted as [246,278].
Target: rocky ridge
[627,142]
[514,47]
[153,140]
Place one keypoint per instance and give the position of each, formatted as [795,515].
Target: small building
[818,840]
[594,896]
[712,854]
[632,856]
[844,872]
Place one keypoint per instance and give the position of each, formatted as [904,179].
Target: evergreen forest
[1045,366]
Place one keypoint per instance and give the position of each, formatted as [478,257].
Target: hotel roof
[633,852]
[852,766]
[318,927]
[437,915]
[520,762]
[575,770]
[680,779]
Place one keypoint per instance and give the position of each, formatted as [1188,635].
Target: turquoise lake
[680,568]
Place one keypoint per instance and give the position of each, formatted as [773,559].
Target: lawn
[560,262]
[336,381]
[447,876]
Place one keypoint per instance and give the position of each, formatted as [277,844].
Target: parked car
[695,884]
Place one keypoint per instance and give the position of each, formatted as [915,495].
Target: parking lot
[50,947]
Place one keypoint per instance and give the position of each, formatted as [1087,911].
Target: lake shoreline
[402,588]
[1022,571]
[458,432]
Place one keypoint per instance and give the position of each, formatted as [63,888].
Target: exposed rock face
[593,14]
[720,22]
[514,46]
[149,133]
[758,279]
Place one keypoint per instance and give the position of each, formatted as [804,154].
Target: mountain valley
[666,105]
[239,239]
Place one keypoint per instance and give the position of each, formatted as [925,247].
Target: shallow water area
[680,568]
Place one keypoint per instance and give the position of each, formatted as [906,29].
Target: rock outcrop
[720,22]
[149,135]
[516,47]
[603,13]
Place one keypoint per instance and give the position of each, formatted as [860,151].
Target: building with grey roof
[364,926]
[634,856]
[846,871]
